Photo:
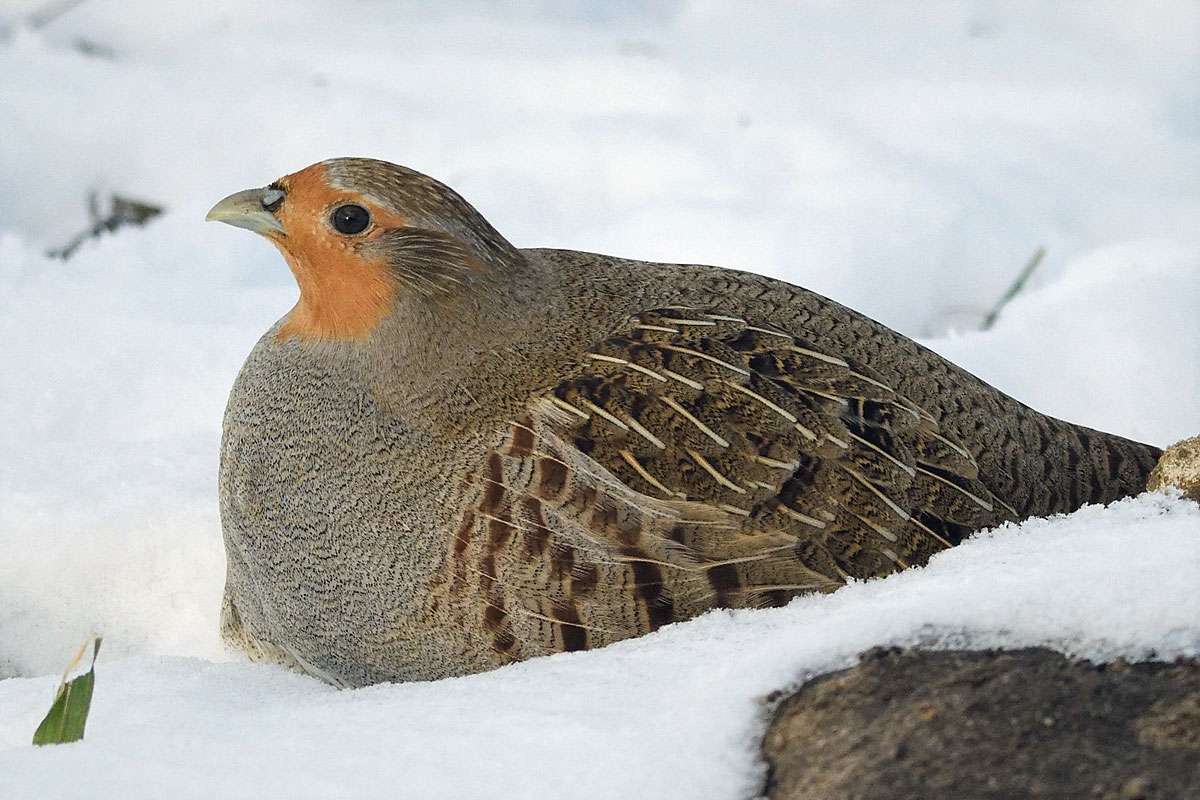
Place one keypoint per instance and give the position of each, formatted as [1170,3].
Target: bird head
[359,234]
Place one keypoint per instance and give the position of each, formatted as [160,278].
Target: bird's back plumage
[705,456]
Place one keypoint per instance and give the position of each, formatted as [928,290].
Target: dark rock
[981,725]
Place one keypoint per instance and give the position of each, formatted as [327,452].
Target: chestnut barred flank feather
[701,461]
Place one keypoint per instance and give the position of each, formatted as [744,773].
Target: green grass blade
[68,714]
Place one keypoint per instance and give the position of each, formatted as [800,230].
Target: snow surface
[675,715]
[903,159]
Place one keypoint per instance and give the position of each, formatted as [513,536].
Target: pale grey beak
[248,210]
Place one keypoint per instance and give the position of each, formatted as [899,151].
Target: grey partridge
[453,454]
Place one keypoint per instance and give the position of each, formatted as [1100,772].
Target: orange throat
[343,294]
[343,298]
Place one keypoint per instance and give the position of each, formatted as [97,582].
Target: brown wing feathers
[698,461]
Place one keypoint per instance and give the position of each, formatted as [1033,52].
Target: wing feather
[700,460]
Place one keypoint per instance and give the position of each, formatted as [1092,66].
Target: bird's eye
[350,219]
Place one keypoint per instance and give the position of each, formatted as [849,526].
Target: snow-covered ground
[675,715]
[903,159]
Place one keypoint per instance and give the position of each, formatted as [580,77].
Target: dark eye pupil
[350,219]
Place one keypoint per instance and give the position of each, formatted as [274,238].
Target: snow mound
[674,714]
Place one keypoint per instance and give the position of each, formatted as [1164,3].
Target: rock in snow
[989,725]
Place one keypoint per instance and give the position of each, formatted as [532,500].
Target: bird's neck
[446,356]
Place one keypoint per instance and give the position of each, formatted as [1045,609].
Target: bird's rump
[697,460]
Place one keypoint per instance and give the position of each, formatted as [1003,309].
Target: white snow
[905,160]
[674,715]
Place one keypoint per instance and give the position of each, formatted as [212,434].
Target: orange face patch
[343,294]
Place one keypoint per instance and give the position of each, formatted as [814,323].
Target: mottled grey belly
[316,528]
